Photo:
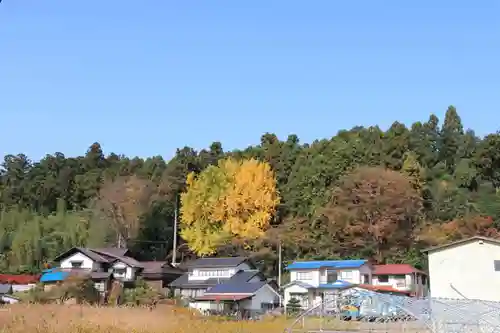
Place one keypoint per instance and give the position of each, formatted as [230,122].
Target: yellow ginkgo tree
[233,199]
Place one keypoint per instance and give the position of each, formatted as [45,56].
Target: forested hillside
[362,193]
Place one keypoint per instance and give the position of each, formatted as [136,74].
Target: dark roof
[5,288]
[236,288]
[216,262]
[463,241]
[223,297]
[112,251]
[184,282]
[92,255]
[245,276]
[106,255]
[159,267]
[129,261]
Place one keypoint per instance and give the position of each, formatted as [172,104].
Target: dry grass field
[83,319]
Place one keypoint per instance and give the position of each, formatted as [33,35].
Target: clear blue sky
[145,77]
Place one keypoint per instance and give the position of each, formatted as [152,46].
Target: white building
[469,268]
[312,282]
[402,277]
[225,284]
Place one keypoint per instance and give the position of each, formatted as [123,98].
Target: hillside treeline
[364,192]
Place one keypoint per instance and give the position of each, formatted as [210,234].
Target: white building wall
[319,275]
[129,274]
[87,263]
[196,273]
[395,282]
[22,287]
[467,267]
[295,289]
[313,281]
[204,306]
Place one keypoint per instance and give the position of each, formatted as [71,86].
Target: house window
[383,278]
[120,271]
[331,276]
[497,265]
[76,264]
[214,273]
[304,276]
[347,275]
[366,279]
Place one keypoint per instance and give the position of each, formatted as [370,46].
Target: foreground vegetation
[86,319]
[379,194]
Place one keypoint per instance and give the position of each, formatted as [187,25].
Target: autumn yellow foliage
[21,318]
[233,199]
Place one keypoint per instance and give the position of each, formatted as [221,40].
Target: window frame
[332,272]
[308,275]
[76,263]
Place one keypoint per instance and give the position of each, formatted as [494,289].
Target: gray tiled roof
[245,276]
[112,251]
[129,261]
[92,255]
[184,282]
[158,267]
[216,262]
[236,288]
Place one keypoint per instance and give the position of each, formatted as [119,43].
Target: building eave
[460,242]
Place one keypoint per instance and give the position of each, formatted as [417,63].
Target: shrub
[142,294]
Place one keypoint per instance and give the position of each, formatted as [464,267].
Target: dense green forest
[343,197]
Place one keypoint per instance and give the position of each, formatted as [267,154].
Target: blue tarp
[339,284]
[53,276]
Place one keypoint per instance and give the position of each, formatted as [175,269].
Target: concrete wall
[467,267]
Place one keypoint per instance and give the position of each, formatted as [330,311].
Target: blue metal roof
[339,284]
[236,288]
[53,276]
[339,264]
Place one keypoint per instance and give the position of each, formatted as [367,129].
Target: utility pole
[279,270]
[279,264]
[174,253]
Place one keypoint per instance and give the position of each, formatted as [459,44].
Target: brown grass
[82,319]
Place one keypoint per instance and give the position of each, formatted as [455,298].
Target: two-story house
[234,281]
[105,265]
[312,282]
[403,277]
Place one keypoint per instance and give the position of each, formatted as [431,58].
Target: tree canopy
[234,199]
[363,193]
